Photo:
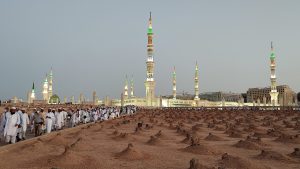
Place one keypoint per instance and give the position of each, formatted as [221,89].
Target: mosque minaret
[50,84]
[45,89]
[174,83]
[126,88]
[32,95]
[196,83]
[131,88]
[273,93]
[150,82]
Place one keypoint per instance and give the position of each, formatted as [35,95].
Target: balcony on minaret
[273,76]
[150,79]
[150,59]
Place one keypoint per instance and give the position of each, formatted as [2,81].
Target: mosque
[48,96]
[151,100]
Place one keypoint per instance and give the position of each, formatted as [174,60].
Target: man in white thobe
[2,124]
[49,120]
[24,123]
[53,119]
[11,126]
[65,115]
[58,120]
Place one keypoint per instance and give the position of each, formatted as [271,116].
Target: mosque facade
[47,92]
[150,99]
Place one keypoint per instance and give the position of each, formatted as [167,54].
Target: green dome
[54,99]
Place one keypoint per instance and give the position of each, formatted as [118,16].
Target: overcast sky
[92,45]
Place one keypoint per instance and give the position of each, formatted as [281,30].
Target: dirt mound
[247,145]
[57,139]
[116,132]
[138,131]
[131,153]
[285,138]
[112,127]
[273,155]
[68,157]
[220,128]
[187,139]
[123,136]
[197,127]
[194,164]
[235,134]
[198,148]
[161,135]
[296,153]
[81,144]
[274,133]
[148,126]
[260,134]
[256,140]
[235,162]
[154,141]
[212,137]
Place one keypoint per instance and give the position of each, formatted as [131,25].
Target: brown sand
[170,140]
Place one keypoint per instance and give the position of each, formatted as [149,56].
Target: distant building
[219,96]
[286,95]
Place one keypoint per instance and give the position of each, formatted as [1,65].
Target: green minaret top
[51,73]
[33,87]
[46,79]
[126,80]
[131,80]
[150,26]
[272,56]
[174,73]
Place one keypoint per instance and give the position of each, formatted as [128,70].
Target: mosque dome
[54,99]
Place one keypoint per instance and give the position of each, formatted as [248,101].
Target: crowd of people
[17,122]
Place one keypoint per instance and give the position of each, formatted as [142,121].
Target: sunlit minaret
[32,95]
[273,92]
[50,83]
[126,88]
[45,89]
[150,82]
[174,83]
[196,83]
[131,88]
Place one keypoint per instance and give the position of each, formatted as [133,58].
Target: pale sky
[92,45]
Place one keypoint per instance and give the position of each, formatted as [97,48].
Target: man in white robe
[49,120]
[2,123]
[117,113]
[64,114]
[19,130]
[24,123]
[58,120]
[73,118]
[53,119]
[11,126]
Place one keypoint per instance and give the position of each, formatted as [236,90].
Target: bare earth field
[167,139]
